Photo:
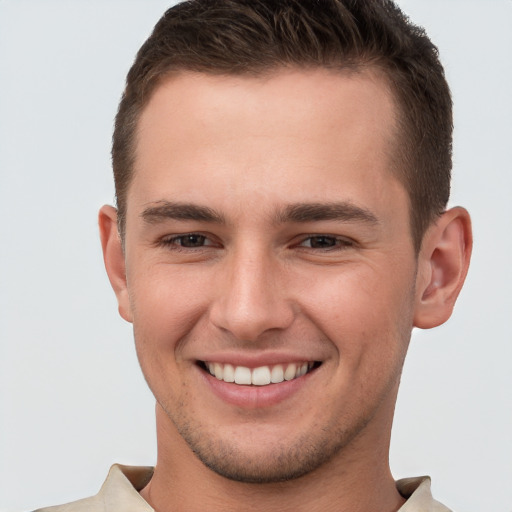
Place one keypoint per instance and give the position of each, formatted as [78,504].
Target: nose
[251,298]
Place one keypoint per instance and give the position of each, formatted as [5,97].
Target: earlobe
[113,257]
[442,267]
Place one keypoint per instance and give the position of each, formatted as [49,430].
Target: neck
[356,480]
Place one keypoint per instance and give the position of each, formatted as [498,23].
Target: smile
[260,376]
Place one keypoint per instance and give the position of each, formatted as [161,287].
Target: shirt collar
[121,491]
[121,488]
[418,495]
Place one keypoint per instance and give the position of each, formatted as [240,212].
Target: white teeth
[218,371]
[229,373]
[261,376]
[291,371]
[302,370]
[243,375]
[277,374]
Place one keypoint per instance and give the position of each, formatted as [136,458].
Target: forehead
[310,133]
[290,95]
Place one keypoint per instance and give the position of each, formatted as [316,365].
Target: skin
[261,284]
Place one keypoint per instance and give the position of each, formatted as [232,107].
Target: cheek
[369,322]
[365,312]
[163,317]
[166,305]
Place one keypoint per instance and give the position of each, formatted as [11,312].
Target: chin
[288,463]
[281,459]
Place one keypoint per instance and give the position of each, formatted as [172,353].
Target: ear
[442,267]
[113,256]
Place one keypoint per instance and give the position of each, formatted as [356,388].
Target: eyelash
[176,242]
[338,243]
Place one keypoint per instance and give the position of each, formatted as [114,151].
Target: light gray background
[72,399]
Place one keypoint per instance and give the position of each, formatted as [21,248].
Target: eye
[325,242]
[187,241]
[192,240]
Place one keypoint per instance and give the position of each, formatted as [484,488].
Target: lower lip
[254,397]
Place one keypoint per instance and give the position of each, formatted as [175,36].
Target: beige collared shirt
[120,493]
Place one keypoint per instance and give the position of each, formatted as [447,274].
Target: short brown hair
[256,36]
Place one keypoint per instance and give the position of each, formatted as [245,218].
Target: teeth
[242,375]
[217,370]
[229,373]
[261,376]
[277,374]
[290,372]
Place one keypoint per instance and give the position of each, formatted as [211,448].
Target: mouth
[260,376]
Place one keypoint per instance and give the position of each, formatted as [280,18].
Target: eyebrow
[298,212]
[313,212]
[163,210]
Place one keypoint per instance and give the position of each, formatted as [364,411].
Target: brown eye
[325,242]
[322,242]
[192,240]
[186,241]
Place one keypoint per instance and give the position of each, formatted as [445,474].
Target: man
[282,171]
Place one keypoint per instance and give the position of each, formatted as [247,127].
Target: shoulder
[92,504]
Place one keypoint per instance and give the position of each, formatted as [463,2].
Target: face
[270,270]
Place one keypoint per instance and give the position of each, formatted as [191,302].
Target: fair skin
[265,233]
